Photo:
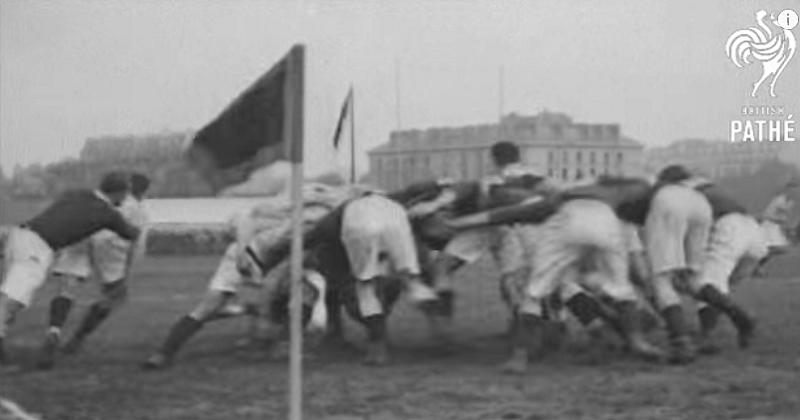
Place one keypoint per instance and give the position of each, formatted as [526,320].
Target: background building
[554,143]
[721,158]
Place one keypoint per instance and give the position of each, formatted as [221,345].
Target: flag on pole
[263,125]
[344,115]
[249,133]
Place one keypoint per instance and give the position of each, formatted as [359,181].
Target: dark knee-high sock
[59,311]
[94,317]
[376,327]
[708,317]
[184,329]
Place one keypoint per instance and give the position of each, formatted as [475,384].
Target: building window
[592,172]
[591,157]
[550,156]
[578,174]
[578,156]
[606,158]
[565,174]
[619,157]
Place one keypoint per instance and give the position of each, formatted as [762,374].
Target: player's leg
[27,259]
[374,319]
[603,235]
[617,286]
[9,308]
[223,286]
[549,260]
[665,233]
[727,245]
[110,261]
[185,328]
[71,267]
[60,307]
[465,248]
[113,296]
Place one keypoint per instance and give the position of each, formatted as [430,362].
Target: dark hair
[504,153]
[139,184]
[115,182]
[673,173]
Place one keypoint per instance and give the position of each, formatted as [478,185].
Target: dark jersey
[326,234]
[629,198]
[76,215]
[721,202]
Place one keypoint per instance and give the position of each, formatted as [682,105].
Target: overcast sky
[75,69]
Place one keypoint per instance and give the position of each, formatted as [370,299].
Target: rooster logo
[773,50]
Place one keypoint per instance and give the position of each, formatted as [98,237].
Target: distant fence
[187,239]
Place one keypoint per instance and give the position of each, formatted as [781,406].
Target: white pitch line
[16,411]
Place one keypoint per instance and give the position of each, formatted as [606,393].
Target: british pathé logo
[772,46]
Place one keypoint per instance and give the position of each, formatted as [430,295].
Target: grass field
[212,380]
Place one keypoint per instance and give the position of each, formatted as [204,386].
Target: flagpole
[294,141]
[352,136]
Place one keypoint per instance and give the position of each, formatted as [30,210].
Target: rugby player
[736,245]
[376,236]
[578,224]
[73,217]
[111,257]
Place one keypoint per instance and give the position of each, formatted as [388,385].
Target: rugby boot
[682,350]
[630,323]
[47,355]
[708,318]
[184,329]
[745,325]
[526,341]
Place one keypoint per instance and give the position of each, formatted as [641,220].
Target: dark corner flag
[263,125]
[347,112]
[251,132]
[344,114]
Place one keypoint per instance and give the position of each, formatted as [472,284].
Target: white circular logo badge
[787,19]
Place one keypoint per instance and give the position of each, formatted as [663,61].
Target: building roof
[549,129]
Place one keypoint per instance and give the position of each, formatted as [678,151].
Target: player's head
[140,183]
[505,153]
[672,174]
[115,185]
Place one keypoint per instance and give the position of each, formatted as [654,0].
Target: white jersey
[134,212]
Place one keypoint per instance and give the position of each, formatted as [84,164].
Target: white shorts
[377,236]
[677,229]
[227,278]
[27,260]
[773,234]
[580,230]
[73,260]
[734,237]
[470,245]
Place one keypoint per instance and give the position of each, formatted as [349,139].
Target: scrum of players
[614,253]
